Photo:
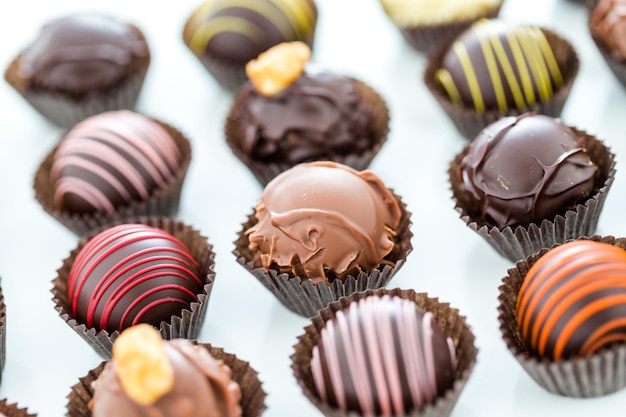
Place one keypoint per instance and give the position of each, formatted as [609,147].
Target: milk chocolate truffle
[130,274]
[176,378]
[573,300]
[607,26]
[285,115]
[81,65]
[225,34]
[324,221]
[496,69]
[525,169]
[382,356]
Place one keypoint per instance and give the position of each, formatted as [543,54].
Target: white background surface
[45,357]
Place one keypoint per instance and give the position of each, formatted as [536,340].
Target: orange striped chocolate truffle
[573,300]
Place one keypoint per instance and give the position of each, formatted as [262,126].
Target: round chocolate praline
[318,117]
[129,274]
[500,66]
[382,356]
[522,170]
[572,301]
[608,25]
[110,160]
[81,54]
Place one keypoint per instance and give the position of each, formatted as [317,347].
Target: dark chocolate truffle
[226,34]
[150,376]
[572,301]
[129,274]
[81,65]
[382,356]
[524,169]
[500,66]
[110,160]
[323,221]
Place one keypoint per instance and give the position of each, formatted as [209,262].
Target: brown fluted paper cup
[161,202]
[13,410]
[599,374]
[187,326]
[266,171]
[252,393]
[451,322]
[519,242]
[304,297]
[469,122]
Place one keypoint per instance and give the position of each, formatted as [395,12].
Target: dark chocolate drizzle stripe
[573,300]
[521,68]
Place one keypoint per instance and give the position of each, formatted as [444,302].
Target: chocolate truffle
[608,25]
[305,116]
[502,66]
[524,169]
[323,221]
[573,300]
[150,376]
[226,34]
[94,62]
[382,356]
[110,160]
[129,274]
[427,24]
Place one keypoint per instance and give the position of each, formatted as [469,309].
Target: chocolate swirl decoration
[81,53]
[239,30]
[323,221]
[495,65]
[112,159]
[382,356]
[131,274]
[317,117]
[524,169]
[573,300]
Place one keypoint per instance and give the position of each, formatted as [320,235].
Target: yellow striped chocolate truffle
[233,32]
[502,66]
[573,300]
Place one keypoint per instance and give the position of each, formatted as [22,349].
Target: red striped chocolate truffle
[112,159]
[573,300]
[130,274]
[382,356]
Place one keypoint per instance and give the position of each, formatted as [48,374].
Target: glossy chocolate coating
[323,220]
[237,31]
[131,274]
[573,300]
[500,66]
[524,169]
[608,24]
[382,356]
[82,53]
[110,160]
[317,117]
[202,388]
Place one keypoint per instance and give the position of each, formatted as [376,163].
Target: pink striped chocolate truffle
[112,159]
[382,356]
[130,274]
